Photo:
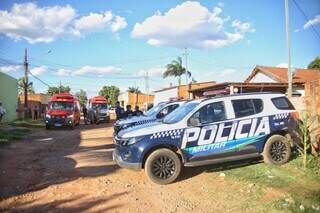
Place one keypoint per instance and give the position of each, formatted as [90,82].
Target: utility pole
[26,83]
[288,48]
[59,87]
[146,77]
[186,64]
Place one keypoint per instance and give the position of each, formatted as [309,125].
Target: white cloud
[283,65]
[94,21]
[96,70]
[98,22]
[10,68]
[201,28]
[27,21]
[152,72]
[312,22]
[39,70]
[63,72]
[227,72]
[118,23]
[46,24]
[242,27]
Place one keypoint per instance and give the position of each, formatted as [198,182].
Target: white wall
[123,97]
[165,95]
[260,77]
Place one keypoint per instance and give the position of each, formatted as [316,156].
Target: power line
[306,18]
[39,79]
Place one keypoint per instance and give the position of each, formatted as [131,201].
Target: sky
[89,44]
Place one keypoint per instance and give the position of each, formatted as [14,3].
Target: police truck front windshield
[154,110]
[61,105]
[180,113]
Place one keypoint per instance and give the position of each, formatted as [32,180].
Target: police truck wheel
[277,150]
[163,166]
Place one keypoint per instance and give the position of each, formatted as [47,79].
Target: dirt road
[73,171]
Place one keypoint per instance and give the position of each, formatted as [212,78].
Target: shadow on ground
[28,166]
[189,172]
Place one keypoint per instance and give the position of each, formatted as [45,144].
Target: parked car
[207,131]
[155,113]
[63,110]
[97,110]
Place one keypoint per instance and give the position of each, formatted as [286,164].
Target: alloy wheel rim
[163,167]
[278,151]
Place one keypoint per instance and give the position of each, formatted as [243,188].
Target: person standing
[2,111]
[119,111]
[84,111]
[137,111]
[35,113]
[129,112]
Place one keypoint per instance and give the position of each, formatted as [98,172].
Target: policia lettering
[216,131]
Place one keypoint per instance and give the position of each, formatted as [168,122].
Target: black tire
[163,166]
[277,150]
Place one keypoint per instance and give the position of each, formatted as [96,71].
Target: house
[179,92]
[280,75]
[37,101]
[136,99]
[8,96]
[267,79]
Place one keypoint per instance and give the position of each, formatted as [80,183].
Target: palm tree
[175,69]
[134,90]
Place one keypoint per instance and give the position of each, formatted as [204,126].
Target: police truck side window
[282,103]
[247,107]
[210,113]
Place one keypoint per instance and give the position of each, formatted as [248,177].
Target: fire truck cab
[63,110]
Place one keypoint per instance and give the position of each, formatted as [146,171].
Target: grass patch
[28,123]
[300,188]
[11,134]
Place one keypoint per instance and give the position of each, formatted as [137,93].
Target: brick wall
[312,102]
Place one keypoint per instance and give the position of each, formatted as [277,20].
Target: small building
[135,99]
[36,102]
[181,92]
[267,79]
[8,96]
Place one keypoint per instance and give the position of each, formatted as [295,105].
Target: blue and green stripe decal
[227,146]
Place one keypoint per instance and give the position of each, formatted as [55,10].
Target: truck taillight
[295,115]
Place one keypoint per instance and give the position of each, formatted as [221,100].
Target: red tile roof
[280,74]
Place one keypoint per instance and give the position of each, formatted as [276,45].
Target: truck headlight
[130,141]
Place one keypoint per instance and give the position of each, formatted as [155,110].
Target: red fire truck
[98,110]
[63,110]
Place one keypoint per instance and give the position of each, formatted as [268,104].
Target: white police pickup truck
[207,131]
[155,113]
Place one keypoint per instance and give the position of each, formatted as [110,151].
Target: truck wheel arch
[161,146]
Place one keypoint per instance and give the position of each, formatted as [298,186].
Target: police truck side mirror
[193,121]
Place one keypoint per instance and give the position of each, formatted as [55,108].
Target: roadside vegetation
[18,129]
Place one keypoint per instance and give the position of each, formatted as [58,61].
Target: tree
[111,93]
[82,97]
[21,86]
[135,90]
[315,64]
[175,69]
[60,89]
